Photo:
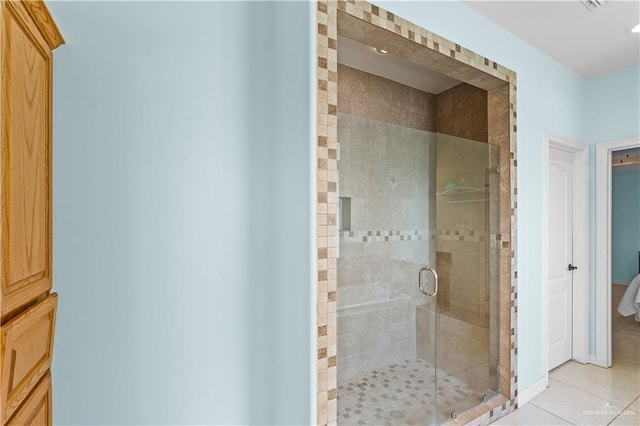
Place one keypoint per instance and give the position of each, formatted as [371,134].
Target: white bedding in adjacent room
[630,302]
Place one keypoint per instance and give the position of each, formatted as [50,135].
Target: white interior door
[560,256]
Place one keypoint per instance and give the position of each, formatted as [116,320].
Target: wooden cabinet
[27,349]
[27,310]
[36,410]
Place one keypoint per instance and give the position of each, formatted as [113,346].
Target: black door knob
[572,268]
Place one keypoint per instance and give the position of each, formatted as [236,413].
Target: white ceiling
[365,58]
[592,43]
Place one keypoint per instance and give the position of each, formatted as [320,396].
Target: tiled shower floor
[403,394]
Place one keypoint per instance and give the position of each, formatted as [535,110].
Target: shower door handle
[435,281]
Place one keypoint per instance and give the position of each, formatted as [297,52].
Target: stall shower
[418,259]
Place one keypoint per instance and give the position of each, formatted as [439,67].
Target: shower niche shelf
[464,194]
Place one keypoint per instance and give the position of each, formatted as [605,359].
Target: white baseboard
[619,283]
[532,391]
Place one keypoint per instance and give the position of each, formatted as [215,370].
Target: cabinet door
[36,410]
[25,159]
[26,348]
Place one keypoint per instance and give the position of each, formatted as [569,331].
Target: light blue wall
[625,225]
[613,106]
[183,214]
[550,99]
[293,198]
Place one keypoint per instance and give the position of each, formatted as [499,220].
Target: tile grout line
[582,390]
[626,407]
[623,410]
[549,412]
[585,391]
[631,324]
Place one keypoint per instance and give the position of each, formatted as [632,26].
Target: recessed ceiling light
[381,51]
[636,29]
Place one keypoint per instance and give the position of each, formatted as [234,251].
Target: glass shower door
[386,327]
[465,256]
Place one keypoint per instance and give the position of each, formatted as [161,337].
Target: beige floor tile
[633,329]
[574,405]
[621,322]
[584,394]
[625,344]
[529,414]
[629,416]
[615,384]
[626,349]
[617,291]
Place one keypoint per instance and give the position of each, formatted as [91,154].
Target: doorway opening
[604,307]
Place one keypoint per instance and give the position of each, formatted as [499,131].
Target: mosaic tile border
[353,237]
[382,236]
[465,235]
[327,93]
[326,179]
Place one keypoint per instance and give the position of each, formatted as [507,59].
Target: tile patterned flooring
[584,394]
[402,394]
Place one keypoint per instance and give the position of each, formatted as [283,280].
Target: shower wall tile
[461,350]
[351,366]
[462,226]
[393,197]
[375,336]
[462,111]
[367,95]
[392,265]
[387,243]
